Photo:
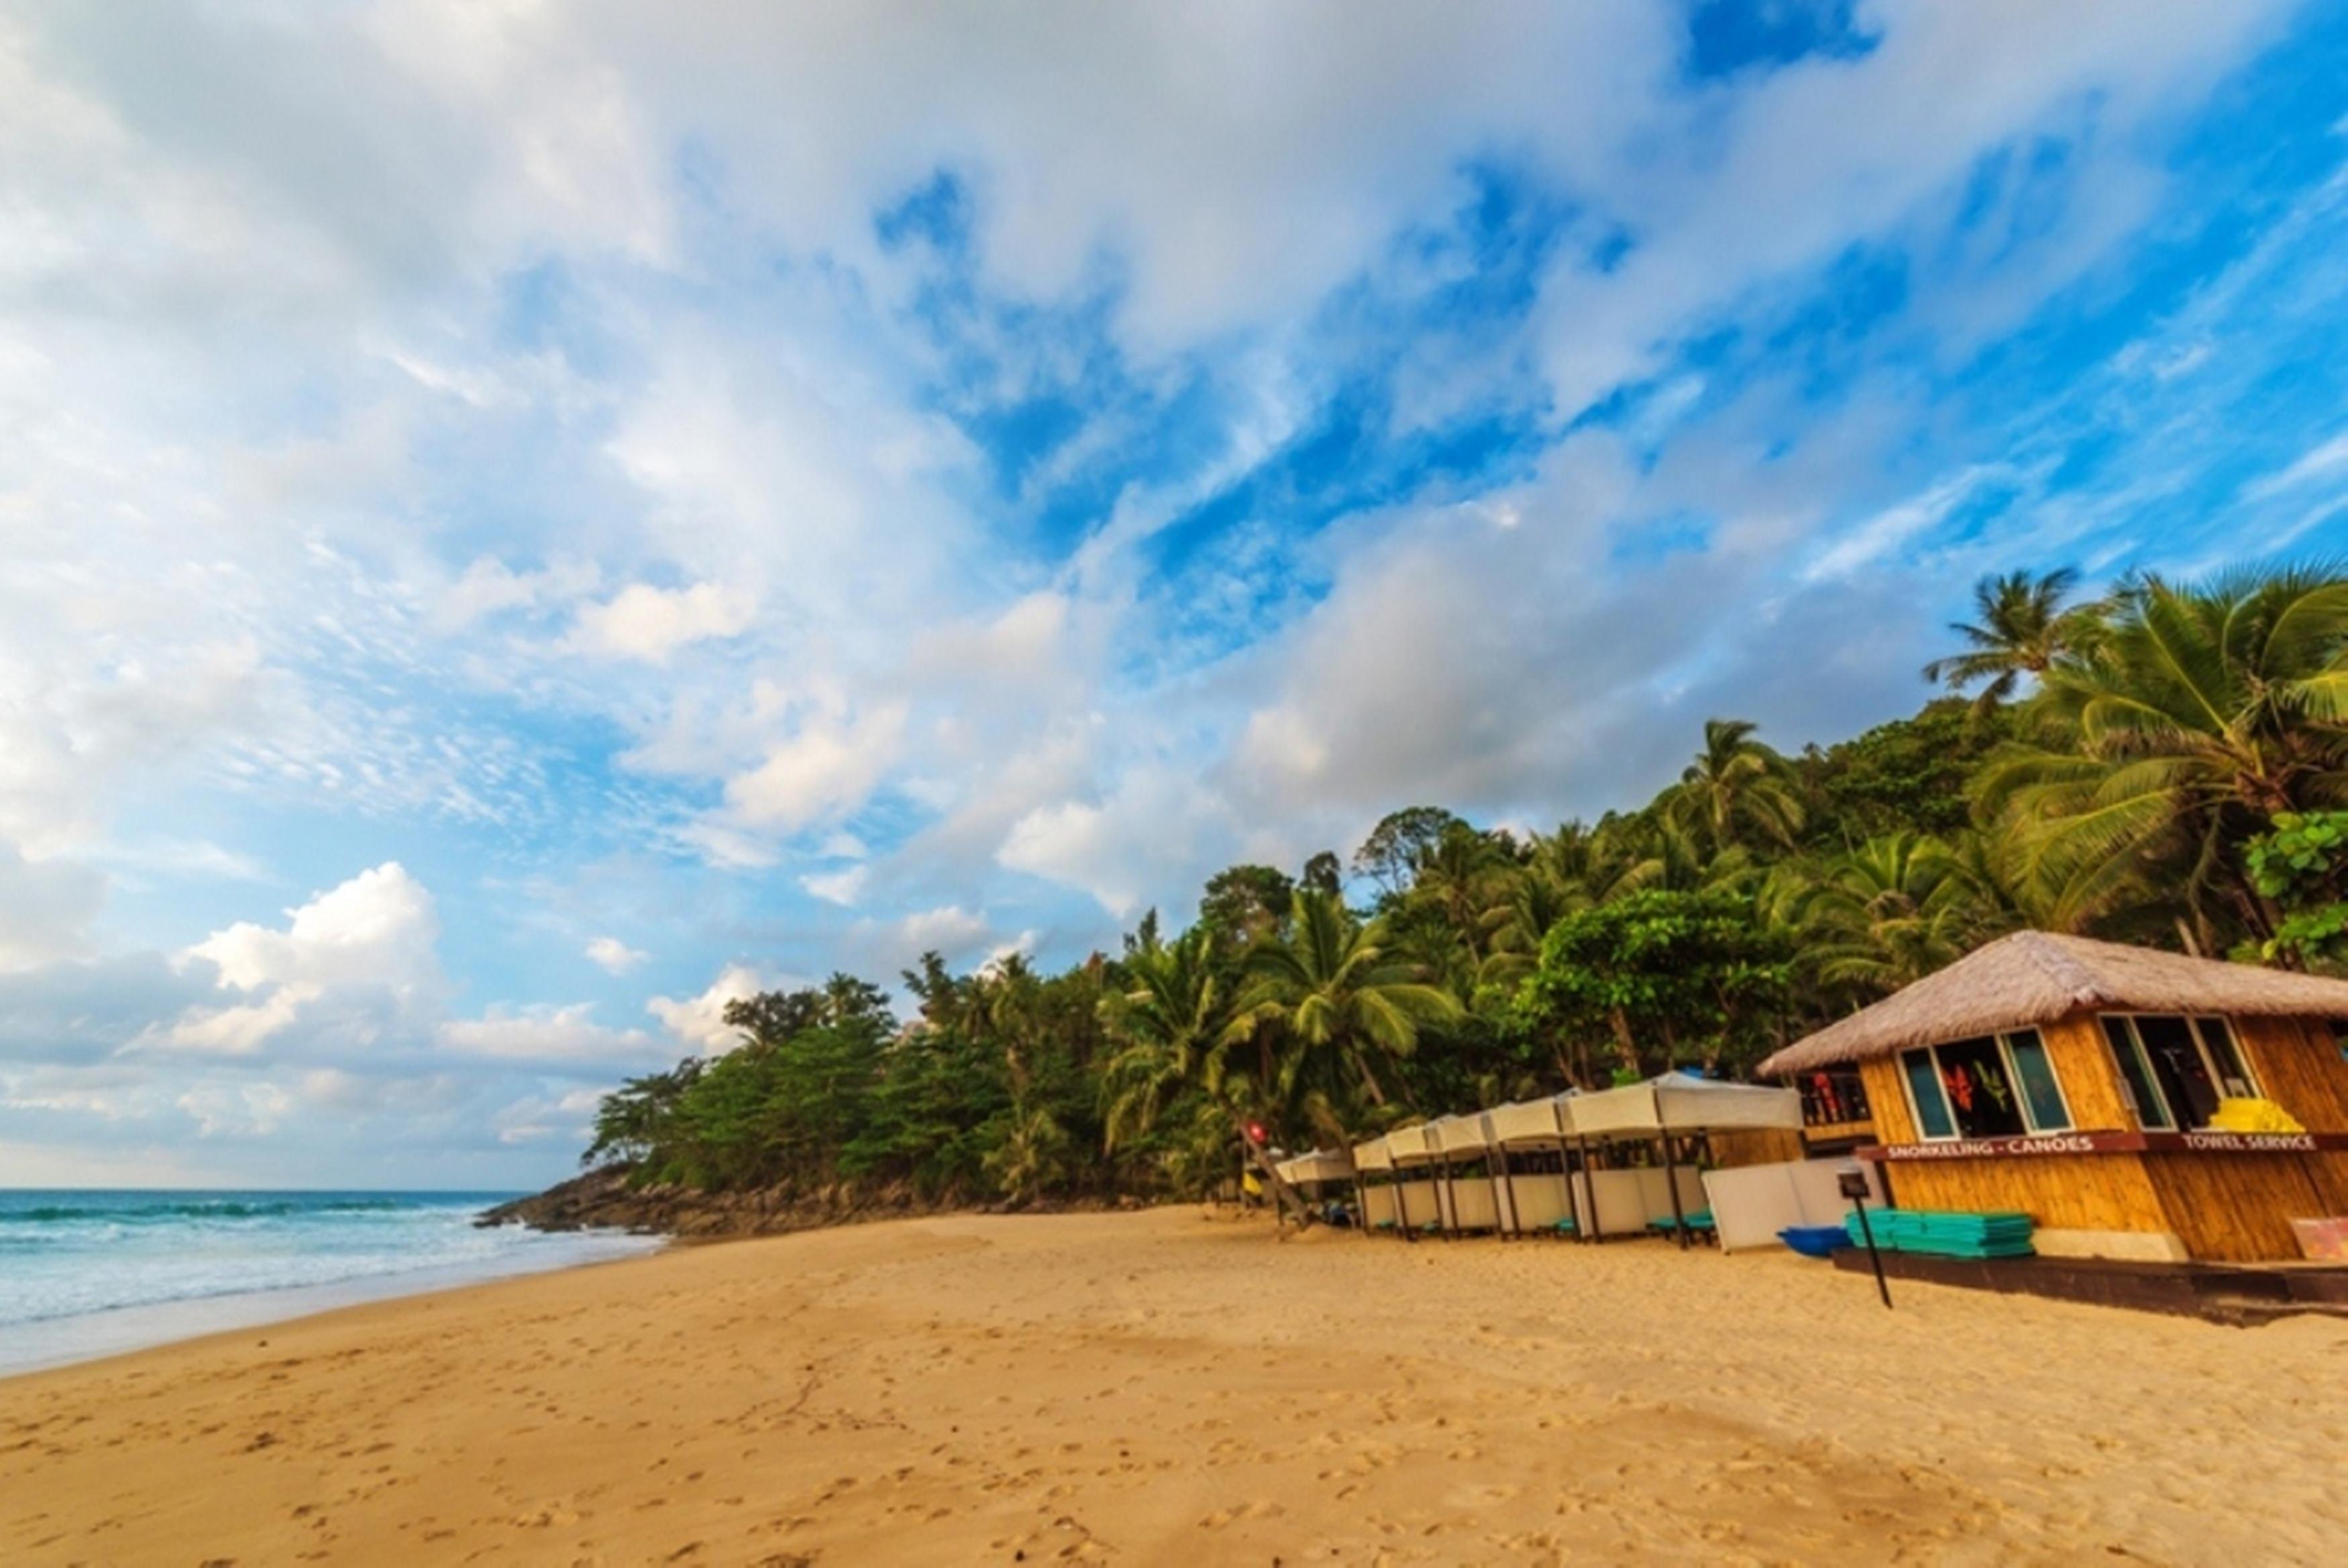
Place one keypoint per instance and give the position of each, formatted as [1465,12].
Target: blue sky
[523,523]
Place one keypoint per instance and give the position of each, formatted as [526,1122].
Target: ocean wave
[78,1258]
[218,1209]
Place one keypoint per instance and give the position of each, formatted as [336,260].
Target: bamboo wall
[2223,1207]
[2090,1078]
[2238,1208]
[1754,1146]
[2058,1191]
[2298,1065]
[2083,1066]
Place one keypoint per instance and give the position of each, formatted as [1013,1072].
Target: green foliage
[2168,763]
[1908,775]
[1245,904]
[1391,855]
[2150,760]
[1666,978]
[2302,863]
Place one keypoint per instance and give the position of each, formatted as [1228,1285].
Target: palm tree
[1736,790]
[1171,1024]
[1326,1004]
[2200,712]
[2022,630]
[1463,873]
[1886,913]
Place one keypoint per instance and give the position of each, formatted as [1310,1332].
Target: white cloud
[1877,536]
[542,1034]
[2319,462]
[843,887]
[614,957]
[245,1111]
[490,586]
[538,1118]
[699,1021]
[828,765]
[380,928]
[541,391]
[652,623]
[46,909]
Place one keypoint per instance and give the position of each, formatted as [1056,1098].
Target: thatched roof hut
[2136,1105]
[2038,977]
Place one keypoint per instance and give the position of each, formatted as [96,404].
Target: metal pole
[1881,1288]
[1516,1225]
[1588,1188]
[1671,1179]
[1852,1181]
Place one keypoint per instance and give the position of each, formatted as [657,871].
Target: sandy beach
[1168,1389]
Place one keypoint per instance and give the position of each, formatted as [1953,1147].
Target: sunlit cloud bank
[525,524]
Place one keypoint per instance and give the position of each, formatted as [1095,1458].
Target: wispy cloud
[692,497]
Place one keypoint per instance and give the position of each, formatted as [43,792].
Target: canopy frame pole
[1565,1180]
[1588,1188]
[1671,1179]
[1447,1196]
[1361,1202]
[1515,1228]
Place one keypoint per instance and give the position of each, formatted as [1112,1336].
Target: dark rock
[614,1198]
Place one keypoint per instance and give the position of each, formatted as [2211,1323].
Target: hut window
[2042,1096]
[1990,1086]
[1924,1088]
[2178,1068]
[2136,1072]
[2217,1041]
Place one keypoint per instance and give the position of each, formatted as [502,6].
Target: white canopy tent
[1418,1202]
[1679,1102]
[1475,1202]
[1320,1166]
[1672,1105]
[1541,1200]
[1379,1209]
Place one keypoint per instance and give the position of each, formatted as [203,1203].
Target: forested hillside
[2166,764]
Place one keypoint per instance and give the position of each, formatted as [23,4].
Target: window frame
[2003,1040]
[2211,1065]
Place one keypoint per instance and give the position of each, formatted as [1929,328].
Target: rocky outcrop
[608,1200]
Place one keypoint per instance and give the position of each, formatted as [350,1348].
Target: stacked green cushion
[1943,1232]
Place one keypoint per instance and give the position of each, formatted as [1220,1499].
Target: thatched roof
[2038,976]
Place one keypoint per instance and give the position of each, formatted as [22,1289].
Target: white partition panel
[1621,1199]
[1541,1200]
[1418,1202]
[1474,1207]
[1753,1203]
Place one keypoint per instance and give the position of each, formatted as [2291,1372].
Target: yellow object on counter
[2253,1116]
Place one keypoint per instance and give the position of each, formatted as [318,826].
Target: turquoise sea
[88,1272]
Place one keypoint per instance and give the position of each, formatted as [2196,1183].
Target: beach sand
[1164,1388]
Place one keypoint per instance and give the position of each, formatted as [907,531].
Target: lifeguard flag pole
[1853,1182]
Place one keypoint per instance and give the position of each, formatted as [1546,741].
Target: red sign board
[2044,1144]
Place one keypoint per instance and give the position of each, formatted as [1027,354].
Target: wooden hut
[2098,1087]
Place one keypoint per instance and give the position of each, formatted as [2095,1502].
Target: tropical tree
[2201,713]
[1171,1024]
[2021,629]
[1393,853]
[1326,1007]
[1738,791]
[1876,918]
[1668,977]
